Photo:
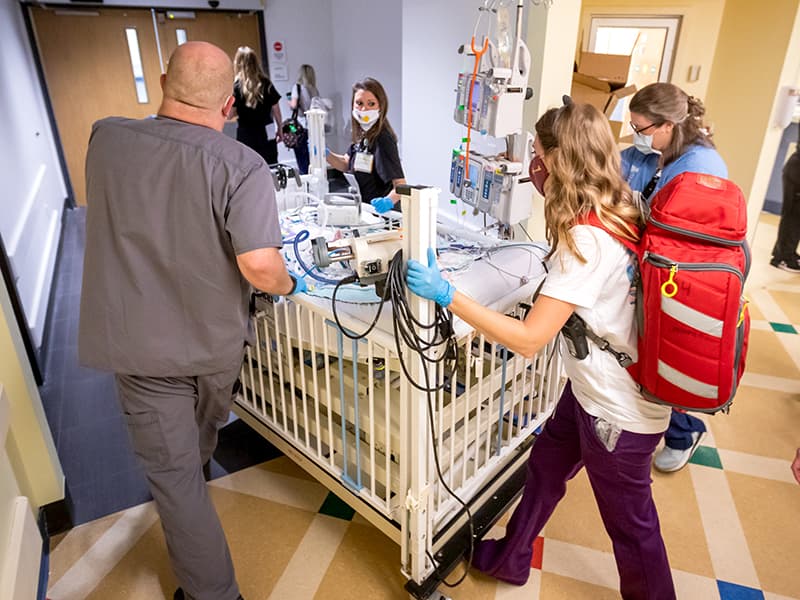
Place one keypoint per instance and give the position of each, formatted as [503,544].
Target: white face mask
[644,143]
[366,118]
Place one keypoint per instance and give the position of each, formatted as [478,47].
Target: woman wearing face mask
[670,138]
[373,156]
[601,422]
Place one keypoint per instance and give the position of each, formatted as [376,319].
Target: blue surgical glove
[382,205]
[300,286]
[427,281]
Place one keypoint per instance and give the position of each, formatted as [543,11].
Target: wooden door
[88,68]
[223,29]
[89,74]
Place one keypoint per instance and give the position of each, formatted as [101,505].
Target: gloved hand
[427,281]
[382,205]
[300,286]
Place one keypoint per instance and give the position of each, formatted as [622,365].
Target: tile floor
[729,520]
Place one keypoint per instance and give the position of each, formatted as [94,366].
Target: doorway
[650,41]
[103,62]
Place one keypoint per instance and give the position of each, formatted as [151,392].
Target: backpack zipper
[695,234]
[708,238]
[666,263]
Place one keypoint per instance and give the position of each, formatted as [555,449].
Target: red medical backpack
[694,322]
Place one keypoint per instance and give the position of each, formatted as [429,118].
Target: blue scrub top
[638,168]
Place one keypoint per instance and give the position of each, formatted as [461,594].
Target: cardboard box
[601,80]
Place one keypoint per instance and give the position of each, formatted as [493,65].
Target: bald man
[181,221]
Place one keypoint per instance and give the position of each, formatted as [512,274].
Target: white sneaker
[669,460]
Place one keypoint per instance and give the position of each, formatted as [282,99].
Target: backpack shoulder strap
[592,219]
[622,358]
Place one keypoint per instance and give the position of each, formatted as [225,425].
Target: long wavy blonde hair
[584,164]
[249,76]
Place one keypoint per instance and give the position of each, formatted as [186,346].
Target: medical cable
[301,237]
[525,231]
[405,326]
[356,336]
[395,287]
[478,57]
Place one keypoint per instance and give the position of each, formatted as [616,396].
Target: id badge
[363,162]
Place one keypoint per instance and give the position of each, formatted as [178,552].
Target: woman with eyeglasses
[670,138]
[601,422]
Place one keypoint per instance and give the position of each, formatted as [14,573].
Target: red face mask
[538,173]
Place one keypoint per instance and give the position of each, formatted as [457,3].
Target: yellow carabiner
[669,288]
[744,309]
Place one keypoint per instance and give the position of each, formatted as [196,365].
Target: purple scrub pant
[621,484]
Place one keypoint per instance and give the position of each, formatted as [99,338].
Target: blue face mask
[644,143]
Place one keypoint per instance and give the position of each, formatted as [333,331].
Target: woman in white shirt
[601,422]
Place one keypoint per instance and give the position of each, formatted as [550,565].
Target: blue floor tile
[733,591]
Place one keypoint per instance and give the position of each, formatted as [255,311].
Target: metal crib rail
[335,406]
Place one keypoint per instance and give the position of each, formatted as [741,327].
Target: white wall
[33,186]
[344,40]
[304,29]
[367,39]
[433,30]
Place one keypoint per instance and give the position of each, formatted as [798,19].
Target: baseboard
[56,517]
[41,354]
[20,571]
[773,207]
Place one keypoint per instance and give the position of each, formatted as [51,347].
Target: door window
[136,65]
[649,41]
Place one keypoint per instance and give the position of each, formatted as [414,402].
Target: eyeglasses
[643,129]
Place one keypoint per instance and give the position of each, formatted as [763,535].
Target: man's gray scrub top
[170,206]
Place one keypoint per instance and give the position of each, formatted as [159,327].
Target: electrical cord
[355,336]
[302,236]
[408,329]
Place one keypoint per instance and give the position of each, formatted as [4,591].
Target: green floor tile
[706,456]
[783,328]
[335,507]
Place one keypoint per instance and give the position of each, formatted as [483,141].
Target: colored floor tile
[783,328]
[333,506]
[731,591]
[706,456]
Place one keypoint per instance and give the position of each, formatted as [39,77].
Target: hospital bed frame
[344,411]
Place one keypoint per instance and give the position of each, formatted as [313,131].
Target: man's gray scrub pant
[173,424]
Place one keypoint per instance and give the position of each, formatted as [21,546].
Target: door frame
[672,23]
[26,5]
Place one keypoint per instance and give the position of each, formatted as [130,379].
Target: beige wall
[697,38]
[551,38]
[30,447]
[757,54]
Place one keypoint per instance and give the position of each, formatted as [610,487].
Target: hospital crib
[344,410]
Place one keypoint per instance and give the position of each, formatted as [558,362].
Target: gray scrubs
[165,307]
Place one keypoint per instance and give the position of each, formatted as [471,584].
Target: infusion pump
[492,185]
[497,97]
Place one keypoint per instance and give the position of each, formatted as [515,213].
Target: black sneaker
[791,265]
